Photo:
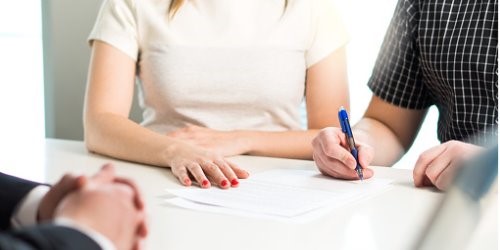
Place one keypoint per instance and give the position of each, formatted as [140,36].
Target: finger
[142,227]
[67,184]
[196,170]
[444,180]
[333,167]
[214,171]
[182,175]
[368,173]
[437,166]
[228,172]
[365,155]
[424,160]
[105,175]
[241,173]
[339,153]
[138,197]
[139,244]
[143,230]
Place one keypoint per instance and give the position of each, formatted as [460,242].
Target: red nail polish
[234,182]
[223,183]
[187,181]
[204,183]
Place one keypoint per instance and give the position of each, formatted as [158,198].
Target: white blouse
[222,64]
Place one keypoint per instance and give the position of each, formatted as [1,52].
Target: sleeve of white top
[100,239]
[116,25]
[329,32]
[27,210]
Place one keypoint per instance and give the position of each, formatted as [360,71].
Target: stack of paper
[278,193]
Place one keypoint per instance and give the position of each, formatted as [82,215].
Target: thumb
[56,194]
[105,175]
[365,155]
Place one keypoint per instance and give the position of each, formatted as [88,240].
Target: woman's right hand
[187,160]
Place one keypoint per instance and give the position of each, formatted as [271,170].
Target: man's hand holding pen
[333,157]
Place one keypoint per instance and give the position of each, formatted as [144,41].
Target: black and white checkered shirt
[443,53]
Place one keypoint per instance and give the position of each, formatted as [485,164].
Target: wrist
[29,208]
[170,151]
[244,140]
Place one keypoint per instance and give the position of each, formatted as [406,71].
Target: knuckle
[345,158]
[329,149]
[431,174]
[424,157]
[209,167]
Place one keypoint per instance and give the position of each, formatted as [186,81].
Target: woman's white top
[222,64]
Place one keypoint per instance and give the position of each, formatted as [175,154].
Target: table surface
[391,219]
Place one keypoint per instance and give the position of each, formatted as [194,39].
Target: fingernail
[187,181]
[204,183]
[234,182]
[223,183]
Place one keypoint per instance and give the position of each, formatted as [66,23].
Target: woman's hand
[226,143]
[204,166]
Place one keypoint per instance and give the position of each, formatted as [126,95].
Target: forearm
[119,137]
[286,144]
[388,149]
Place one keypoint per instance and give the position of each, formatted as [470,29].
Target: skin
[121,215]
[193,151]
[70,183]
[382,136]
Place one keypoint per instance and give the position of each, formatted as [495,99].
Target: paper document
[283,192]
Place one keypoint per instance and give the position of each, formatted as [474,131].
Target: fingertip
[108,166]
[205,184]
[224,184]
[351,163]
[81,181]
[244,175]
[186,181]
[235,183]
[140,203]
[368,173]
[143,230]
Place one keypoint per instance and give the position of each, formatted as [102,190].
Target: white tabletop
[389,220]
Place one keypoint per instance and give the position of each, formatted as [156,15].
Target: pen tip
[360,175]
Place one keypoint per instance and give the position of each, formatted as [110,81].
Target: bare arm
[388,129]
[108,100]
[108,130]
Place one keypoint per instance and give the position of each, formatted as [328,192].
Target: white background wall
[66,26]
[21,85]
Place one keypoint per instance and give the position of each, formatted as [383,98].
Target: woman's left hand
[226,143]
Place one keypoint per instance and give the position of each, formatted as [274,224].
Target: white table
[389,220]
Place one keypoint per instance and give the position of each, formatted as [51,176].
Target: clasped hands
[106,203]
[434,167]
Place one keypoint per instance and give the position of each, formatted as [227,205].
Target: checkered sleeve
[397,77]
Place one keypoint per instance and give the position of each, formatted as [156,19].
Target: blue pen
[346,128]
